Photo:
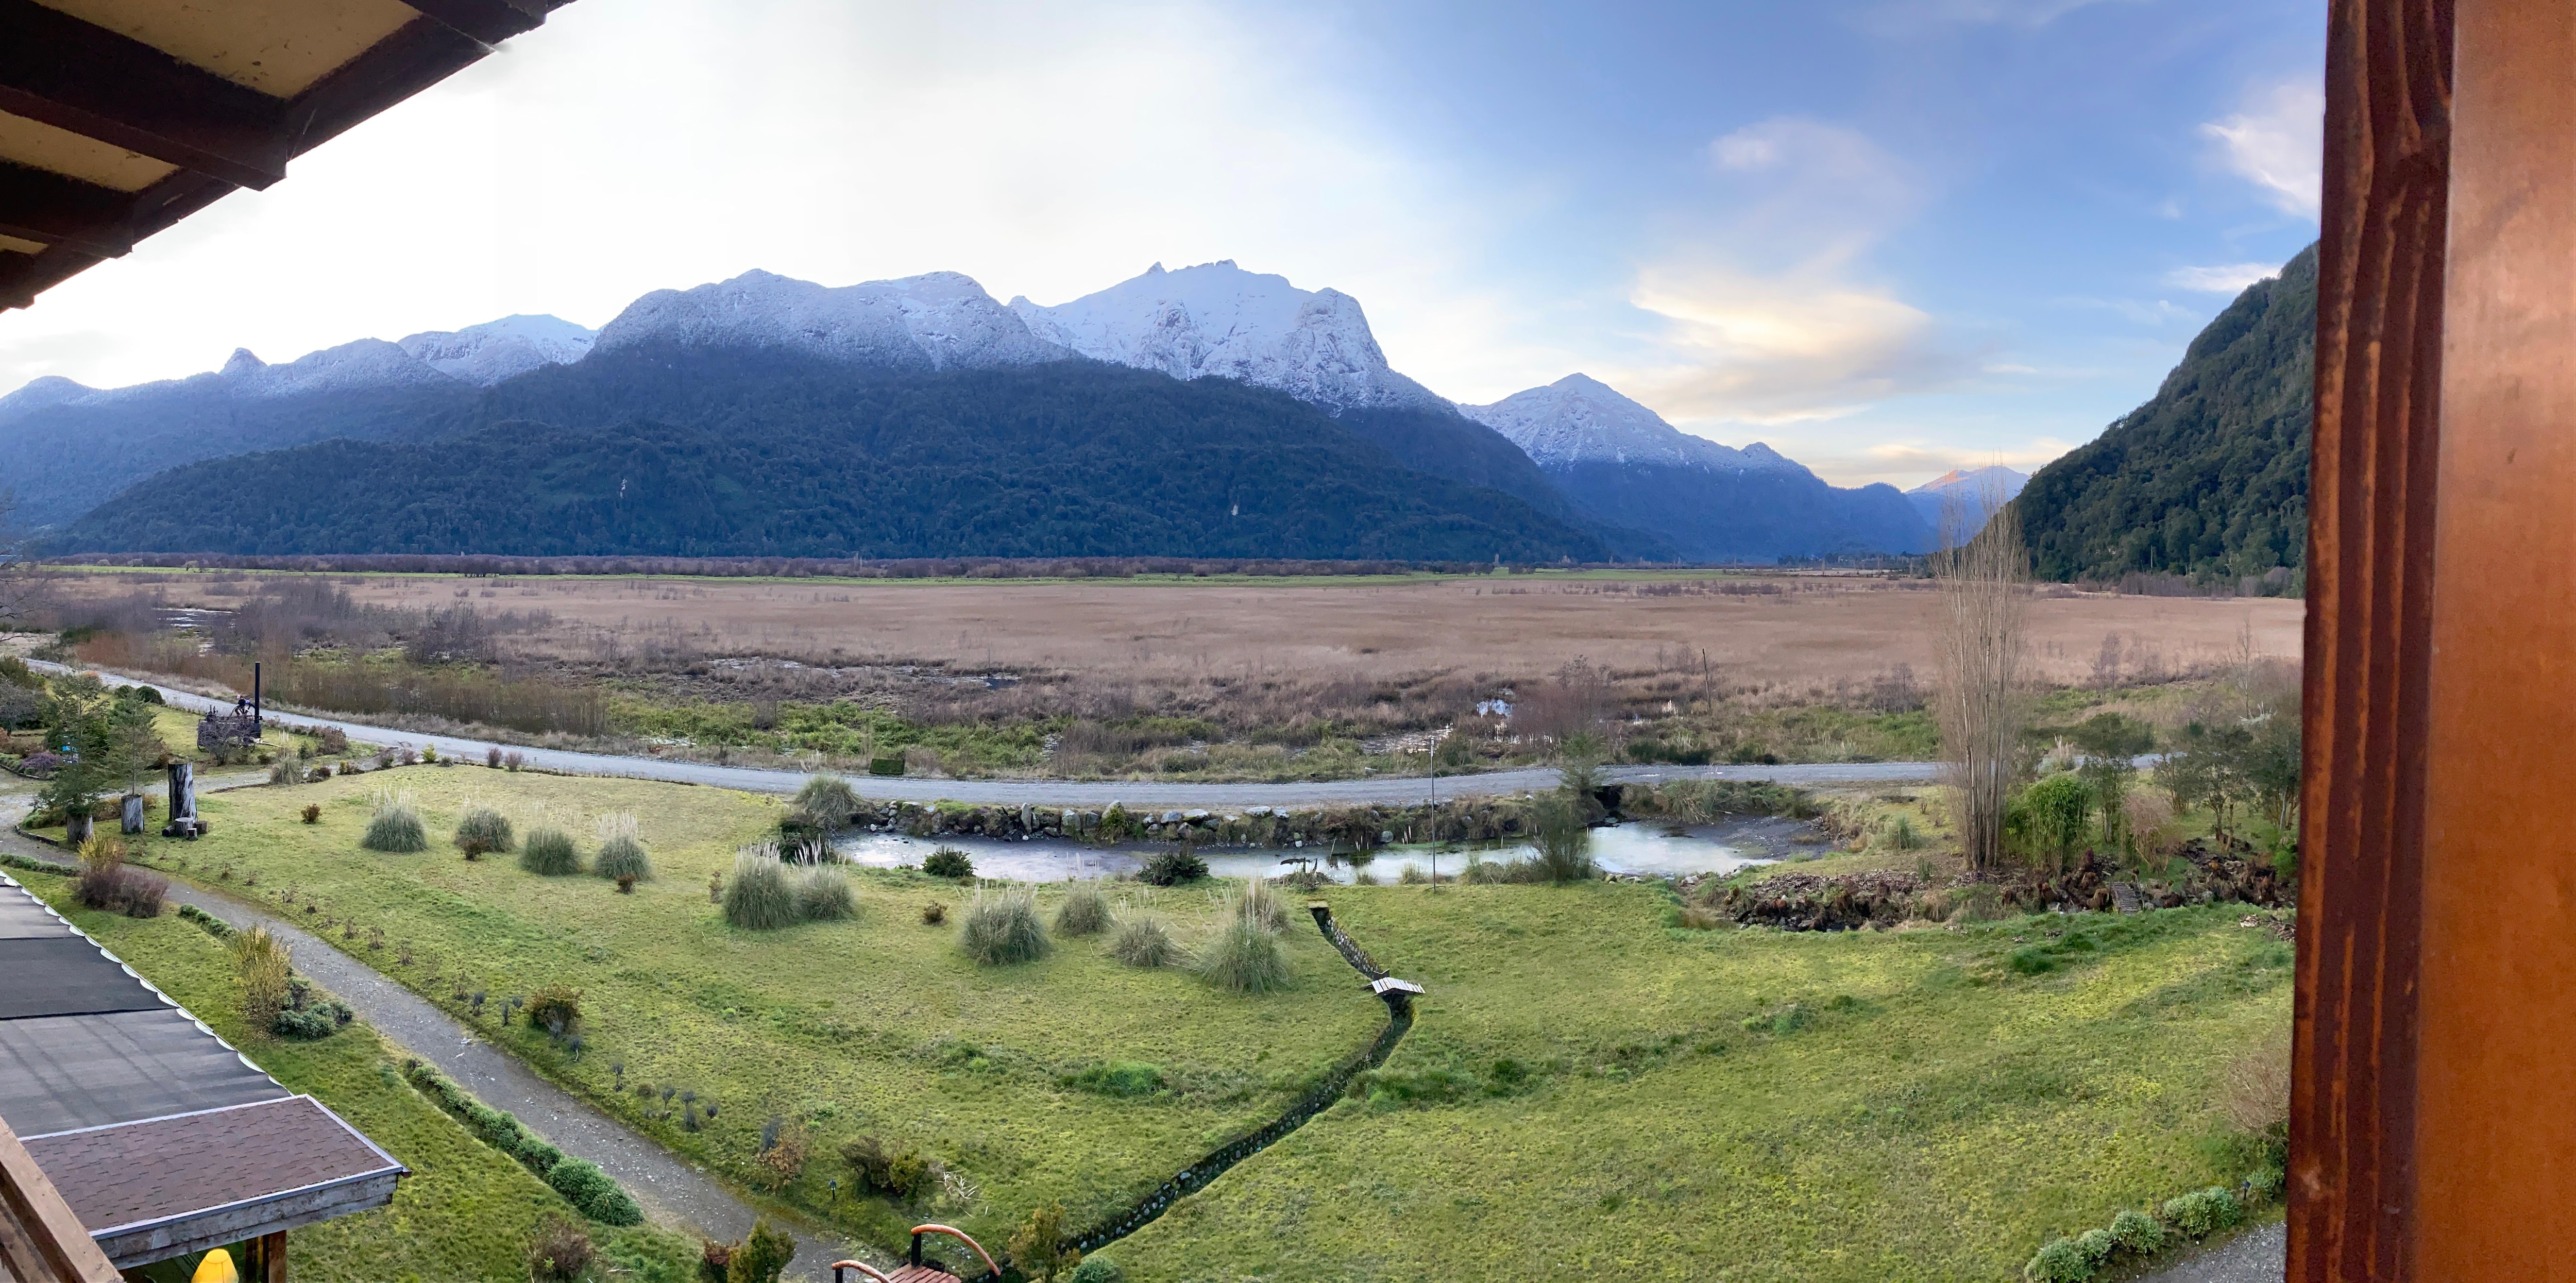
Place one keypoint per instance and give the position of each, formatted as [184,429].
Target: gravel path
[1083,793]
[2256,1256]
[672,1190]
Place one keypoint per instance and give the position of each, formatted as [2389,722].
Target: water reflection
[1646,849]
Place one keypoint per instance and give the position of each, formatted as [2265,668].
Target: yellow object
[217,1267]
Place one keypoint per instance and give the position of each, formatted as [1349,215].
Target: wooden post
[266,1259]
[2433,1120]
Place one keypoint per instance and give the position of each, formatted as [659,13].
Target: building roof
[157,1136]
[118,118]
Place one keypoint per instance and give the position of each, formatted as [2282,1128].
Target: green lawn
[466,1212]
[1582,1091]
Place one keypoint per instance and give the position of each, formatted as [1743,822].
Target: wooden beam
[67,73]
[39,205]
[421,53]
[41,1241]
[486,21]
[2370,586]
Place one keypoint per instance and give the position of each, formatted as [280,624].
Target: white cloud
[2278,145]
[1907,464]
[1902,17]
[2225,278]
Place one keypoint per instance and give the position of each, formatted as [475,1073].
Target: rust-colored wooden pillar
[2433,1125]
[267,1259]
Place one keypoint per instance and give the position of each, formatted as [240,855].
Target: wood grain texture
[2495,1123]
[2370,558]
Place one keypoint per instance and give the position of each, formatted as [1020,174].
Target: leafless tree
[1984,579]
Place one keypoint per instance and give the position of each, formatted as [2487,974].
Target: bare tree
[1984,580]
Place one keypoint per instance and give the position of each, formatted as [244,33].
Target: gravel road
[2256,1256]
[1089,794]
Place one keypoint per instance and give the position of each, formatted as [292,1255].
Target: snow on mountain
[367,363]
[1217,319]
[1973,490]
[496,350]
[941,321]
[1579,419]
[42,391]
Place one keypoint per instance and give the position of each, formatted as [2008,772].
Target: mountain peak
[496,350]
[2010,481]
[1218,319]
[1580,419]
[938,320]
[242,362]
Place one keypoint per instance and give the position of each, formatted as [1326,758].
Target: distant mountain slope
[2209,476]
[1622,464]
[1972,487]
[716,450]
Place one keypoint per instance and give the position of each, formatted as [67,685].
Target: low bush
[1002,929]
[1097,1269]
[504,1132]
[1142,942]
[2135,1231]
[308,1020]
[561,1253]
[934,913]
[949,862]
[287,771]
[1121,1078]
[482,832]
[1172,868]
[107,882]
[2202,1213]
[823,894]
[757,897]
[312,813]
[207,922]
[621,853]
[395,826]
[549,852]
[901,1174]
[2059,1262]
[1038,1246]
[555,1009]
[1085,911]
[594,1193]
[763,1256]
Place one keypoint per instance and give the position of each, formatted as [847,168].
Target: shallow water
[1647,849]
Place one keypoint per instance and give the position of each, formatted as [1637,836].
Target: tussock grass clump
[1085,911]
[1245,956]
[824,894]
[621,853]
[483,830]
[260,967]
[1262,902]
[757,897]
[549,852]
[1142,942]
[828,801]
[1563,835]
[1002,928]
[395,826]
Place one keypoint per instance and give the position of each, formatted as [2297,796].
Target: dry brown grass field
[1785,629]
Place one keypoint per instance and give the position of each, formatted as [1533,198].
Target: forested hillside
[2211,476]
[696,451]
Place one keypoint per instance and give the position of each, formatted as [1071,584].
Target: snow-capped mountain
[1579,419]
[937,321]
[1974,489]
[1218,320]
[495,350]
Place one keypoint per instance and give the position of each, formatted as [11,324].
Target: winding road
[1091,794]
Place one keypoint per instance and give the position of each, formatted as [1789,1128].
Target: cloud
[2278,145]
[1907,464]
[1903,17]
[1813,190]
[2225,278]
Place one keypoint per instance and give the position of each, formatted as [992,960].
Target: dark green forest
[2209,478]
[699,452]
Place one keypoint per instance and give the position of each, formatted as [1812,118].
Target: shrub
[621,853]
[762,1257]
[1142,942]
[824,895]
[828,800]
[594,1193]
[2059,1262]
[625,884]
[312,813]
[934,913]
[2254,1089]
[2060,812]
[757,898]
[949,862]
[1172,868]
[1245,956]
[2095,1245]
[483,830]
[395,826]
[1037,1247]
[307,1023]
[1097,1269]
[561,1252]
[1002,928]
[2204,1212]
[260,967]
[1121,1078]
[2135,1231]
[287,771]
[1085,911]
[714,1260]
[555,1009]
[492,757]
[1560,829]
[549,852]
[782,1156]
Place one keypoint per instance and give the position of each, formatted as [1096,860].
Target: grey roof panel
[58,1073]
[66,975]
[22,918]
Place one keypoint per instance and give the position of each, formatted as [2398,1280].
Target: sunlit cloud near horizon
[1889,238]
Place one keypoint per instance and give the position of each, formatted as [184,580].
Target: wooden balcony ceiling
[118,118]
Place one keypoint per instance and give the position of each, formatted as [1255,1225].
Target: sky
[1887,237]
